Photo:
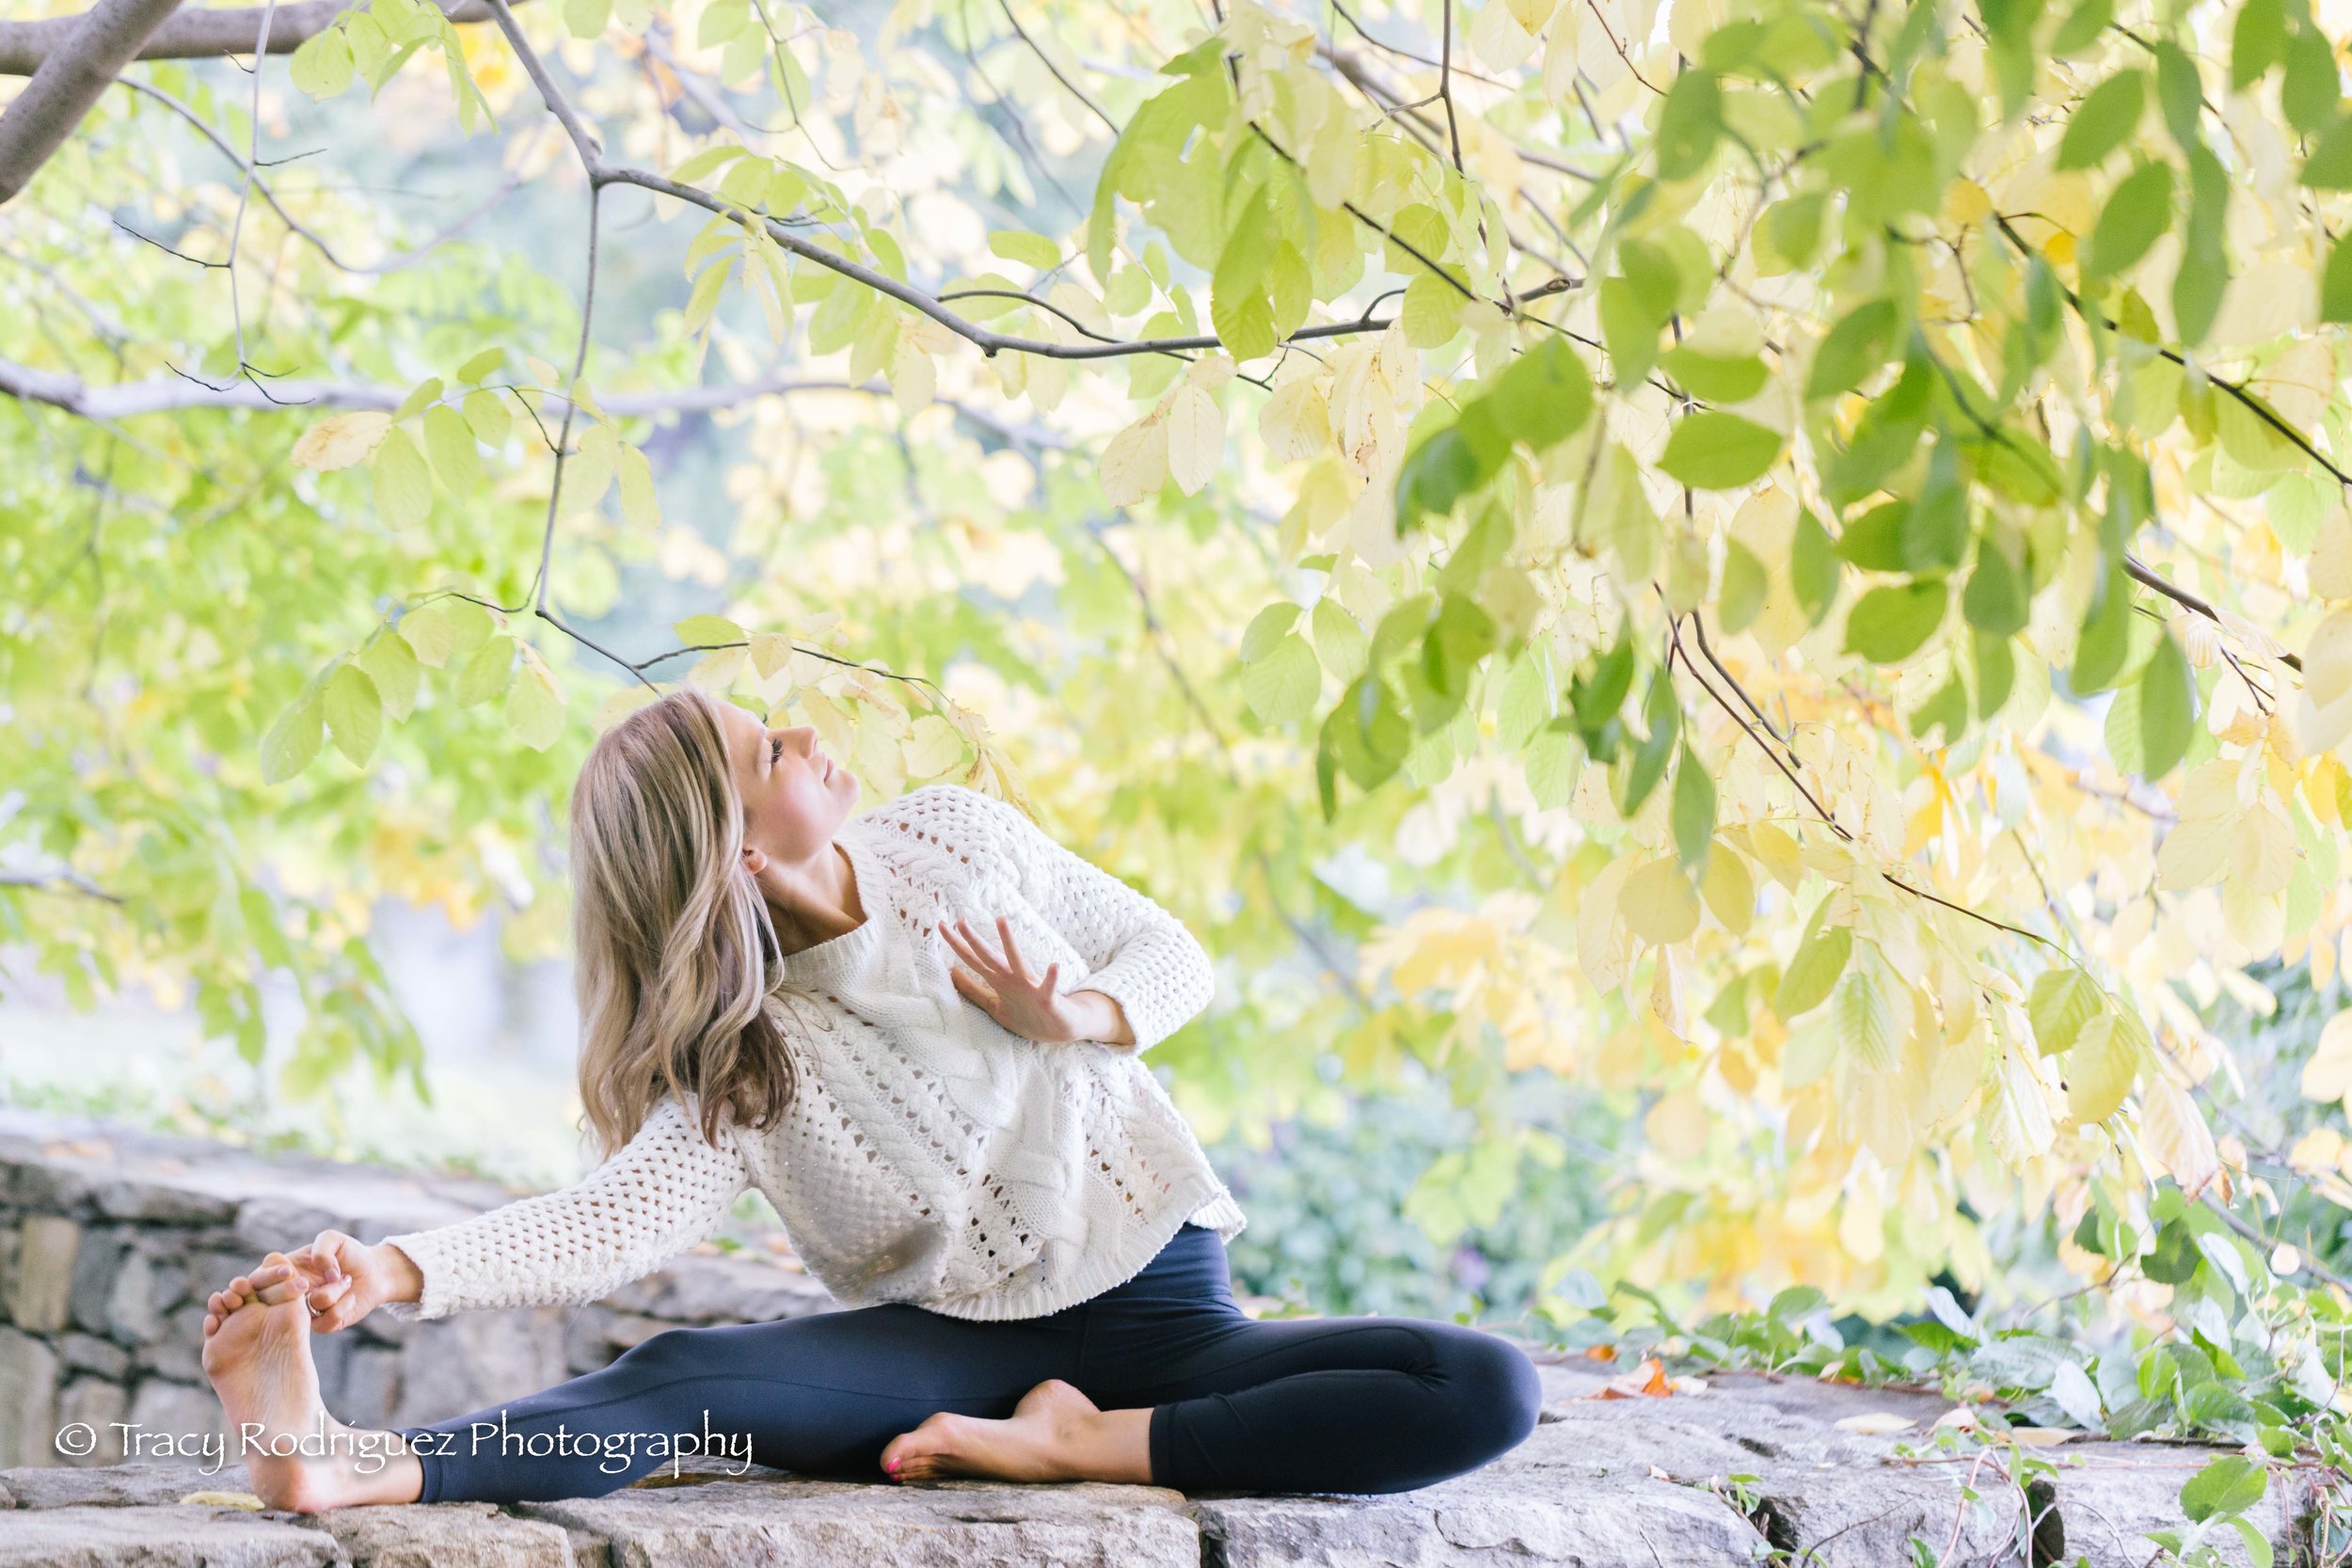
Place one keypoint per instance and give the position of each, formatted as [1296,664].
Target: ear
[755,860]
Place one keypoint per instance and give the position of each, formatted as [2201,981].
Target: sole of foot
[1037,1443]
[258,1360]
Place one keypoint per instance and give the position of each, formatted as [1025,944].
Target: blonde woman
[918,1032]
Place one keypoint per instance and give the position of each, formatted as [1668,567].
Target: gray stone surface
[118,1485]
[28,1398]
[161,1538]
[815,1524]
[448,1535]
[99,1407]
[40,1285]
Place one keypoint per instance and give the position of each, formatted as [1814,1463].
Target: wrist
[1104,1020]
[404,1280]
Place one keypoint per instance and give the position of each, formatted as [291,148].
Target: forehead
[741,728]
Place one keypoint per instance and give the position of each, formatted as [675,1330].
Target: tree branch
[36,122]
[26,46]
[167,394]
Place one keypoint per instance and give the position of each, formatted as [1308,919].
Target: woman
[1027,1237]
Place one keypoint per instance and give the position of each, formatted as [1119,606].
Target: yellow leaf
[1729,889]
[2100,1068]
[2329,1074]
[2173,1132]
[1196,439]
[340,440]
[1660,905]
[1134,462]
[1877,1423]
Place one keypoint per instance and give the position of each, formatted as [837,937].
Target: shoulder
[949,816]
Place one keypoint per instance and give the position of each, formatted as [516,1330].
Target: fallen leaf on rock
[1959,1418]
[246,1500]
[1876,1423]
[2038,1437]
[1647,1381]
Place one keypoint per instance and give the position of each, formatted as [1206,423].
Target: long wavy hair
[675,953]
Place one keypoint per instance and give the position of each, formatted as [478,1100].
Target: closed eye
[775,750]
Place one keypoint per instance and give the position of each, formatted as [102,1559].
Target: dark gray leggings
[1304,1404]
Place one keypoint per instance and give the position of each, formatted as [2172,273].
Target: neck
[813,901]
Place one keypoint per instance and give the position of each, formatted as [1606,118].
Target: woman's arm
[666,1191]
[1137,954]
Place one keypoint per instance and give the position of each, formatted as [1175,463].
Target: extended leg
[1340,1404]
[821,1395]
[1344,1404]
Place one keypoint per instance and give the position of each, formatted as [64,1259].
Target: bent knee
[1501,1393]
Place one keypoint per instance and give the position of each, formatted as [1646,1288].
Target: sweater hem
[1205,1194]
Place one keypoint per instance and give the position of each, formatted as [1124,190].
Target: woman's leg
[820,1396]
[1196,1395]
[1339,1404]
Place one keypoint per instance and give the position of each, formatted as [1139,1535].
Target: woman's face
[794,796]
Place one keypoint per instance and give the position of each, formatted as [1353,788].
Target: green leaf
[2168,708]
[1663,716]
[639,503]
[1437,472]
[1888,625]
[1688,125]
[1281,686]
[2137,214]
[393,665]
[2329,167]
[1693,810]
[1996,599]
[1813,972]
[482,364]
[2312,88]
[1630,328]
[2258,41]
[485,672]
[448,441]
[1813,568]
[2102,122]
[1744,588]
[1711,378]
[321,66]
[1431,311]
[2107,638]
[2064,999]
[1714,450]
[289,744]
[1266,629]
[2335,286]
[1543,397]
[535,705]
[1015,244]
[2230,1484]
[354,713]
[708,631]
[1857,345]
[404,485]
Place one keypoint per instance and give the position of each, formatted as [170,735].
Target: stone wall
[111,1239]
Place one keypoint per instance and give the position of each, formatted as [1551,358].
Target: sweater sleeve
[666,1191]
[1137,953]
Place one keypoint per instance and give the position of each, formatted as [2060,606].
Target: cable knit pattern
[929,1156]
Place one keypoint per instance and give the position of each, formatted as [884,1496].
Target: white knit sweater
[930,1155]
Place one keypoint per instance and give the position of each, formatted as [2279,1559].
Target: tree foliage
[1819,529]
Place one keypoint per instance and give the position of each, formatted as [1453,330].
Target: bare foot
[1055,1434]
[297,1456]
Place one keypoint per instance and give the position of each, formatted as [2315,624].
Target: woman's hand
[343,1279]
[1024,1004]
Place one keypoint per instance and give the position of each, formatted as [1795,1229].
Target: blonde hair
[675,953]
